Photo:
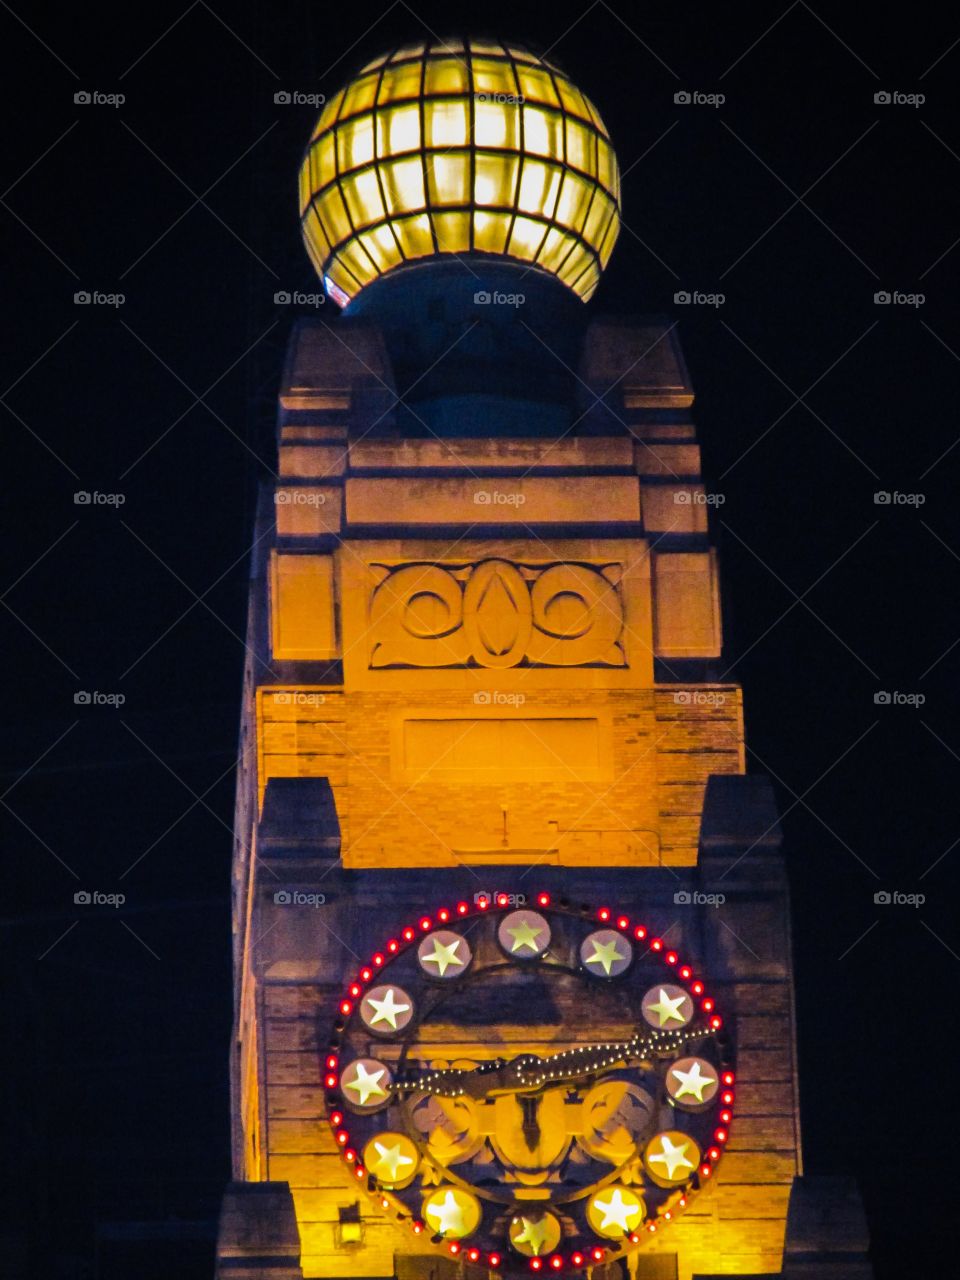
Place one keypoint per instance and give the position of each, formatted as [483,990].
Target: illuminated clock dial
[606,953]
[667,1006]
[670,1158]
[615,1211]
[444,955]
[386,1010]
[534,1233]
[692,1083]
[524,935]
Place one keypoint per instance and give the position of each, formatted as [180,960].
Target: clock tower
[513,977]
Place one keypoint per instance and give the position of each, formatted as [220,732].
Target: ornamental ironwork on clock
[469,1091]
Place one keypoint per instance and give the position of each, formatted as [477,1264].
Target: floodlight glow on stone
[366,1083]
[535,1234]
[524,934]
[671,1157]
[667,1006]
[614,1212]
[606,953]
[451,149]
[393,1158]
[449,956]
[386,1009]
[692,1078]
[452,1212]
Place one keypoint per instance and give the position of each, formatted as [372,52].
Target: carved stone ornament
[497,614]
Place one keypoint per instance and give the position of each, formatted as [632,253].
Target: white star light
[391,1159]
[693,1083]
[387,1009]
[617,1211]
[671,1157]
[444,955]
[447,1216]
[605,954]
[534,1234]
[524,935]
[667,1009]
[366,1084]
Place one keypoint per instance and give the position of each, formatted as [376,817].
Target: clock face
[535,1088]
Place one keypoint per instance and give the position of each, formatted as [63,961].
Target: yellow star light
[391,1160]
[606,954]
[444,955]
[667,1009]
[366,1084]
[448,1215]
[524,935]
[693,1083]
[387,1009]
[618,1212]
[534,1234]
[671,1157]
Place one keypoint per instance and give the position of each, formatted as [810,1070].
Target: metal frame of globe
[586,1254]
[445,149]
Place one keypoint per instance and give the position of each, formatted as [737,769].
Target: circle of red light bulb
[494,1259]
[355,989]
[393,945]
[502,899]
[349,1155]
[330,1082]
[408,934]
[425,924]
[623,922]
[577,1259]
[536,1264]
[346,1007]
[727,1077]
[378,959]
[640,933]
[343,1137]
[603,913]
[656,944]
[462,908]
[453,1247]
[671,957]
[697,988]
[473,1254]
[543,899]
[556,1262]
[686,971]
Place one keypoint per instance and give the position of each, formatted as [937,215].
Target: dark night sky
[798,198]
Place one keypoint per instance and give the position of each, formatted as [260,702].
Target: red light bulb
[332,1061]
[536,1264]
[543,899]
[366,975]
[378,960]
[494,1259]
[330,1081]
[686,971]
[623,922]
[425,924]
[556,1262]
[393,946]
[462,908]
[640,932]
[443,915]
[671,957]
[346,1007]
[355,989]
[656,944]
[473,1254]
[454,1247]
[603,913]
[336,1119]
[577,1259]
[727,1077]
[697,988]
[343,1137]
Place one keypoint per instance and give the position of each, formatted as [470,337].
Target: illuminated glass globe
[459,148]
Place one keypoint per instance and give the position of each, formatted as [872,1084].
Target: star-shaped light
[618,1212]
[534,1233]
[524,935]
[391,1159]
[672,1157]
[365,1083]
[606,954]
[387,1009]
[444,955]
[693,1082]
[668,1010]
[448,1215]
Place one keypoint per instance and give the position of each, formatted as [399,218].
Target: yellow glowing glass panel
[490,231]
[362,194]
[447,124]
[493,77]
[453,231]
[415,236]
[495,178]
[537,86]
[449,179]
[511,159]
[377,62]
[542,132]
[401,82]
[403,185]
[447,76]
[398,130]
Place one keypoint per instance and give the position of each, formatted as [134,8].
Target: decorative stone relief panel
[497,614]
